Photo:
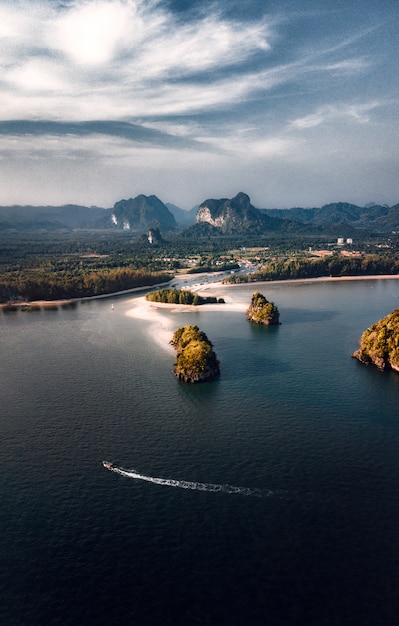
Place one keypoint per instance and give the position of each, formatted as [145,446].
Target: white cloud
[122,59]
[332,114]
[93,33]
[194,47]
[37,75]
[22,25]
[117,59]
[309,121]
[137,61]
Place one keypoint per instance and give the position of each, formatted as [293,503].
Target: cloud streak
[131,132]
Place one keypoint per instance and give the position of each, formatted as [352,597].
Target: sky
[294,102]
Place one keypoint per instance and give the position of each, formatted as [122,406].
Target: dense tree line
[286,269]
[180,296]
[42,284]
[207,267]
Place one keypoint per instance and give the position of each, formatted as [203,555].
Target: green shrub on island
[181,296]
[196,361]
[261,311]
[379,344]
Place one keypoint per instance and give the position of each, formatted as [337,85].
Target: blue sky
[294,102]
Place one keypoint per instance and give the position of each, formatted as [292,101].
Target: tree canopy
[196,360]
[379,344]
[181,296]
[261,311]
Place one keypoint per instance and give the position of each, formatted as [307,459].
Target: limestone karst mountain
[142,212]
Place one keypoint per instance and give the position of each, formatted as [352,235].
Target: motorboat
[108,465]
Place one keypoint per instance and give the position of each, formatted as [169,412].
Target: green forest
[39,266]
[335,265]
[42,284]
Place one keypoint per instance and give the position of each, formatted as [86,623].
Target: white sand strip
[162,327]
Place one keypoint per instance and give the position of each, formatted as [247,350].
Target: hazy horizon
[296,104]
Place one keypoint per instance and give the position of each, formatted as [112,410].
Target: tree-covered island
[379,344]
[261,311]
[196,361]
[181,296]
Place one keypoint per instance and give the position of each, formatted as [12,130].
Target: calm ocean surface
[310,433]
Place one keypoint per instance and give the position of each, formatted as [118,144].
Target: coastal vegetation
[39,265]
[379,344]
[334,265]
[196,361]
[261,311]
[206,265]
[181,296]
[47,284]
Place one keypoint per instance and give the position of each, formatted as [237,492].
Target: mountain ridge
[223,216]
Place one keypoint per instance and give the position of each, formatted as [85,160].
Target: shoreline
[319,279]
[197,288]
[65,302]
[161,327]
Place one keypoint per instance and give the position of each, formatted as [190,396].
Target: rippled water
[292,417]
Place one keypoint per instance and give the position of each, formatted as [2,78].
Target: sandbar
[162,327]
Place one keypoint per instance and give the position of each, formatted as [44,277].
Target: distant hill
[182,217]
[142,212]
[373,218]
[213,216]
[238,215]
[136,214]
[50,218]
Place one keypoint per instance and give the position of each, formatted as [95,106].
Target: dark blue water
[310,431]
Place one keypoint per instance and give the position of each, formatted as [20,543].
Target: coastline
[66,302]
[217,284]
[319,279]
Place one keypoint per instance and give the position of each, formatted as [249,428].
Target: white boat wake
[188,484]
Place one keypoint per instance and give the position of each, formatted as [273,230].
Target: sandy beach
[161,327]
[152,310]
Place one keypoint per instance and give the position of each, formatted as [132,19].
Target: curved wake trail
[188,484]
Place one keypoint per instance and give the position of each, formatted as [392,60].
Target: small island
[379,344]
[261,311]
[181,296]
[196,360]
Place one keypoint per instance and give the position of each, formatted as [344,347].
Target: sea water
[269,496]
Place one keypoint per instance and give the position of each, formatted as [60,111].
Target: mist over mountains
[213,216]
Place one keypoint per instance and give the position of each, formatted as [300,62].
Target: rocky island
[196,360]
[379,344]
[261,311]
